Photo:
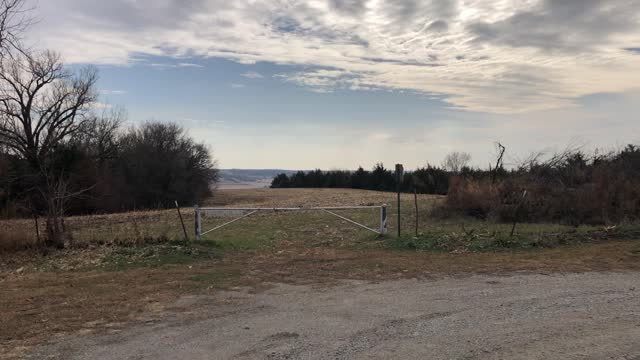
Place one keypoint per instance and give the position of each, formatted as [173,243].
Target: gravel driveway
[573,316]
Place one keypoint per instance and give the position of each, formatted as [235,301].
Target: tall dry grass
[16,239]
[602,200]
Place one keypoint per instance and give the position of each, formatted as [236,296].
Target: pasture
[129,268]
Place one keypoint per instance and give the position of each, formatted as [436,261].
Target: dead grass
[309,197]
[73,292]
[44,306]
[39,305]
[15,239]
[138,226]
[131,227]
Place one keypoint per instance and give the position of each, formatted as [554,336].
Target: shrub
[569,188]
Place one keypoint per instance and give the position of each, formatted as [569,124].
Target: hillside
[248,178]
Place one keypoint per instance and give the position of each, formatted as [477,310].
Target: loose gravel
[520,316]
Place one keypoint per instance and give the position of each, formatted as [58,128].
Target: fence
[241,213]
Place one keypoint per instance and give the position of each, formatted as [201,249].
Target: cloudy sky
[341,83]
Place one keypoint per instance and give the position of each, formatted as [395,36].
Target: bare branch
[14,20]
[456,161]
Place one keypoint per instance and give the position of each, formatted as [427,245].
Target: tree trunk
[55,234]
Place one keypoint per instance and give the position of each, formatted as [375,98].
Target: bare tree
[499,161]
[14,19]
[99,134]
[41,105]
[455,161]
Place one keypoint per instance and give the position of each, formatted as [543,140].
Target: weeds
[570,187]
[15,239]
[496,240]
[171,253]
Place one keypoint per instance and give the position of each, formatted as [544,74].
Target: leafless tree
[99,134]
[499,161]
[14,19]
[455,161]
[42,104]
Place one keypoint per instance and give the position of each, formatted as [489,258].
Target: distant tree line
[571,186]
[428,180]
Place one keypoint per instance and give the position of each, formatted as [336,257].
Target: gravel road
[572,316]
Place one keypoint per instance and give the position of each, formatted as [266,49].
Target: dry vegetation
[130,267]
[308,198]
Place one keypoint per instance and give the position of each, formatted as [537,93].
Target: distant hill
[248,178]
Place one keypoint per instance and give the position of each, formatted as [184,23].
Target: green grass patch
[243,242]
[497,237]
[271,230]
[158,255]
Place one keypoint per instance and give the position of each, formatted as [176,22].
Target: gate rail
[252,210]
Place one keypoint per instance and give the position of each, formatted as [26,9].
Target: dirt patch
[39,307]
[44,306]
[325,264]
[570,316]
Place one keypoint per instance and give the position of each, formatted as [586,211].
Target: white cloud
[482,55]
[379,136]
[252,75]
[100,105]
[193,123]
[113,92]
[178,65]
[190,65]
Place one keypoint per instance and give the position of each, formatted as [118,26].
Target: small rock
[20,270]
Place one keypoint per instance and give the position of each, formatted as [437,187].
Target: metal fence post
[383,219]
[197,222]
[399,173]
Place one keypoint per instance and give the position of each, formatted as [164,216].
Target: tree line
[428,180]
[571,186]
[59,155]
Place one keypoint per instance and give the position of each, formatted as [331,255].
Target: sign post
[399,173]
[198,229]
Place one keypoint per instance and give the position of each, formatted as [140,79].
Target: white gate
[241,213]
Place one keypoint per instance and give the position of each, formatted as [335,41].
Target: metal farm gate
[241,213]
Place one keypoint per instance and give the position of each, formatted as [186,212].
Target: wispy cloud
[190,65]
[380,136]
[178,65]
[236,85]
[481,55]
[101,105]
[252,75]
[193,123]
[113,92]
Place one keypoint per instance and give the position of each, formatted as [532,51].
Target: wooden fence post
[184,229]
[415,198]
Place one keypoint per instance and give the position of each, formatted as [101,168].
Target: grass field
[129,267]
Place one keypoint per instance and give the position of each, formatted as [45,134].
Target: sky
[337,84]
